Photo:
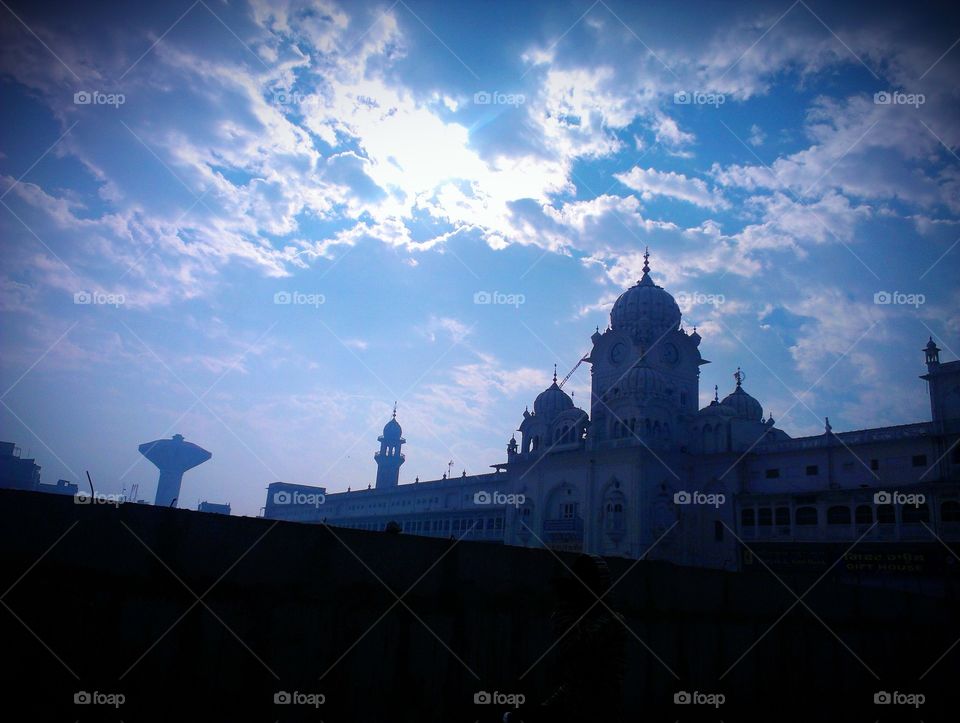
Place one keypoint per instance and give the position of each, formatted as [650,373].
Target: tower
[173,457]
[645,368]
[389,458]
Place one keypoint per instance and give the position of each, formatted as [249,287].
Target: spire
[716,393]
[394,410]
[646,261]
[739,376]
[554,373]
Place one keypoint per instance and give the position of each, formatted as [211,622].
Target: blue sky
[186,166]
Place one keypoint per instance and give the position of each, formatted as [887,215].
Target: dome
[645,308]
[743,404]
[716,409]
[551,401]
[645,379]
[392,429]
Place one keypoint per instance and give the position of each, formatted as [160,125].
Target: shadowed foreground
[304,613]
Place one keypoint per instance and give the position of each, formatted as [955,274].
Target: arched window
[805,516]
[747,518]
[764,517]
[950,511]
[886,514]
[838,515]
[864,515]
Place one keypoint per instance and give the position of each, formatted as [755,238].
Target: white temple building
[646,470]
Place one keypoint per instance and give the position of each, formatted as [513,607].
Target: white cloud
[651,182]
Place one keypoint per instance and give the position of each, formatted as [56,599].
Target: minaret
[389,458]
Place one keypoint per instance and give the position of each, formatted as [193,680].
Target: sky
[261,224]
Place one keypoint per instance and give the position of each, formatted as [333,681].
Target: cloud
[651,182]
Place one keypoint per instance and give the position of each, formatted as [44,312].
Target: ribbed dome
[743,404]
[645,309]
[716,409]
[645,379]
[551,401]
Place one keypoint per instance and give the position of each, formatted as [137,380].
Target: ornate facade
[646,470]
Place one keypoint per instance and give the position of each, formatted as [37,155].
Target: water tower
[173,457]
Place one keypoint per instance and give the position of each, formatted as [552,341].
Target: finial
[716,393]
[554,373]
[826,426]
[394,410]
[646,261]
[739,376]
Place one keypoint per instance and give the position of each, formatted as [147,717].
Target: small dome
[645,309]
[743,404]
[551,401]
[392,429]
[645,379]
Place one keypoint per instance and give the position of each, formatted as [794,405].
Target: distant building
[62,487]
[17,473]
[214,507]
[647,470]
[297,503]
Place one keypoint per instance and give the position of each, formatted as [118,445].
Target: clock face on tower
[670,355]
[618,352]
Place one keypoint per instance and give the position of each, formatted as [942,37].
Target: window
[765,517]
[950,511]
[812,470]
[864,515]
[783,516]
[886,514]
[717,531]
[806,516]
[568,510]
[838,515]
[773,473]
[919,460]
[874,464]
[747,518]
[955,456]
[499,524]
